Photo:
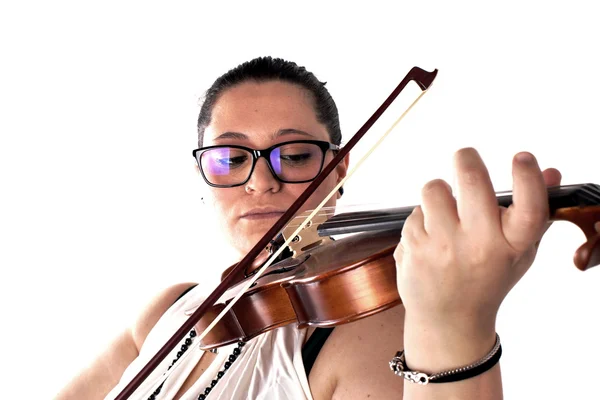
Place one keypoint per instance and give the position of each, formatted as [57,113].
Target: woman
[465,245]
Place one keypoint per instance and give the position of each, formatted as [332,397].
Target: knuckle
[532,228]
[409,251]
[399,252]
[403,254]
[533,221]
[470,167]
[446,253]
[410,223]
[472,176]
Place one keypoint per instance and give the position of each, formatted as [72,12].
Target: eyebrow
[280,132]
[290,131]
[232,135]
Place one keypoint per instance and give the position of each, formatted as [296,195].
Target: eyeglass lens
[294,162]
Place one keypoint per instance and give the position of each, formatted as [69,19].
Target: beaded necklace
[275,243]
[184,347]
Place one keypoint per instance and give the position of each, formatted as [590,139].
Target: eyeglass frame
[265,153]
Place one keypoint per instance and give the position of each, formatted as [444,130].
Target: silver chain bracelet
[399,367]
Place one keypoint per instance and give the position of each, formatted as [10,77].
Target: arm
[97,379]
[457,260]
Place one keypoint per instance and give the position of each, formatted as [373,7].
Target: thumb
[552,177]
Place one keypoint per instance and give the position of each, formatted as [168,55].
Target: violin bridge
[308,238]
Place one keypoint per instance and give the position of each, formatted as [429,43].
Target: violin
[336,282]
[330,282]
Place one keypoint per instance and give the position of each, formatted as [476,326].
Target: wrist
[432,347]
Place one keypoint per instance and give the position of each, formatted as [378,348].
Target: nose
[262,179]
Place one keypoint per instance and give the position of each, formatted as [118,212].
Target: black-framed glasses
[298,161]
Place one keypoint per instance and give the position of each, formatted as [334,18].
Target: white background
[100,205]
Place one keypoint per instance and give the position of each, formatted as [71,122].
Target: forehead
[259,110]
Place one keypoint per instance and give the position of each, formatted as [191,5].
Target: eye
[298,154]
[224,160]
[232,162]
[296,159]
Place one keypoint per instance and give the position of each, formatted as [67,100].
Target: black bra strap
[313,345]
[185,292]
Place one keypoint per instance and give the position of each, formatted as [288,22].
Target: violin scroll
[588,254]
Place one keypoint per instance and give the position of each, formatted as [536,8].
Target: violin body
[340,282]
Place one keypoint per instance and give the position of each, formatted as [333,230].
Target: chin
[244,242]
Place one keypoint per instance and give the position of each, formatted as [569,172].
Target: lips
[262,213]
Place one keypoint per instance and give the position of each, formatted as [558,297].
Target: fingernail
[525,158]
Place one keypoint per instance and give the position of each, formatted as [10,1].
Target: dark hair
[268,69]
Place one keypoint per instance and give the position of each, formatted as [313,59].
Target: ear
[342,170]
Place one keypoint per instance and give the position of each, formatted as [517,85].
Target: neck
[560,198]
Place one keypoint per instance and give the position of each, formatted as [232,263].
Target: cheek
[224,202]
[320,194]
[328,186]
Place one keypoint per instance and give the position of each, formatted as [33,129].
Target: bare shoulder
[354,362]
[97,379]
[154,310]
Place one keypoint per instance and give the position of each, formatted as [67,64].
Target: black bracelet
[399,367]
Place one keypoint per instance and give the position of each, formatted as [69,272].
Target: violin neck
[559,197]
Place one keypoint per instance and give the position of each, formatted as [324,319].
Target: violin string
[400,214]
[274,256]
[359,208]
[330,211]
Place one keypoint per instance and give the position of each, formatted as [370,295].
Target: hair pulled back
[264,69]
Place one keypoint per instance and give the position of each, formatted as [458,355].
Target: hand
[459,258]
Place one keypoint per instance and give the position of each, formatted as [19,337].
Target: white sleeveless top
[269,367]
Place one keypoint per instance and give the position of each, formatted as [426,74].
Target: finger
[413,229]
[439,208]
[476,201]
[552,177]
[597,226]
[524,221]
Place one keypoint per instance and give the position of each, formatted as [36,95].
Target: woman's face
[258,116]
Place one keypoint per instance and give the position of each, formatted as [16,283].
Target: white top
[269,367]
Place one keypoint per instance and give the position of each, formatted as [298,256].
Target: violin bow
[423,79]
